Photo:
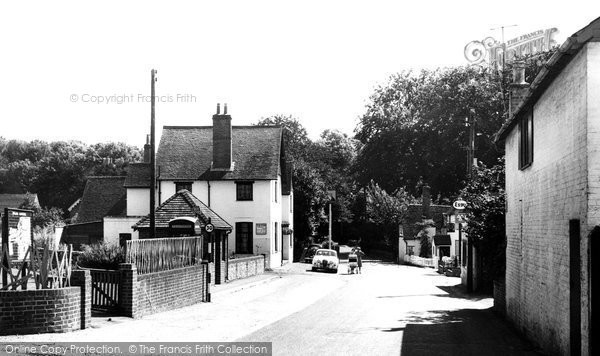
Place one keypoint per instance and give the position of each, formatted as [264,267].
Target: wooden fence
[420,261]
[105,289]
[48,269]
[155,255]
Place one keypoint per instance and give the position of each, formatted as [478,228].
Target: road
[391,310]
[387,310]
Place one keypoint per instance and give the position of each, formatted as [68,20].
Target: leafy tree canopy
[486,201]
[57,171]
[414,128]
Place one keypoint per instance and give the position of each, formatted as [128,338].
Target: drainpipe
[208,186]
[159,187]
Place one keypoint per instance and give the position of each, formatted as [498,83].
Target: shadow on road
[461,332]
[460,291]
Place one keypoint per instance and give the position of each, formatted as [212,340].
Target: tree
[333,155]
[57,171]
[486,201]
[425,250]
[42,217]
[294,134]
[414,128]
[386,210]
[310,199]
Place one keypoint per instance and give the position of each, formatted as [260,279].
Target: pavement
[237,308]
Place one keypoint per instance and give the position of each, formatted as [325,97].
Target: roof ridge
[106,177]
[187,195]
[207,207]
[147,216]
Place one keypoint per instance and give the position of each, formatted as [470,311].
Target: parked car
[310,253]
[325,259]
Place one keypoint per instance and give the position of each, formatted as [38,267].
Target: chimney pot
[218,109]
[225,109]
[519,74]
[518,88]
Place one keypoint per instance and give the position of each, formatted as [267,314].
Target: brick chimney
[518,88]
[147,148]
[426,204]
[222,152]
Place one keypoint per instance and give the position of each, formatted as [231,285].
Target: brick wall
[246,267]
[156,292]
[41,311]
[83,279]
[541,200]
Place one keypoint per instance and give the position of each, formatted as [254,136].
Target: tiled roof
[138,175]
[183,204]
[14,200]
[185,152]
[551,69]
[102,196]
[414,215]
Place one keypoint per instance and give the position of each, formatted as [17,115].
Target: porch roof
[184,204]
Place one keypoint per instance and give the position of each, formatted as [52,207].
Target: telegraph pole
[152,154]
[471,157]
[503,43]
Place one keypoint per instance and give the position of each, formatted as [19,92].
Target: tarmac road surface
[392,310]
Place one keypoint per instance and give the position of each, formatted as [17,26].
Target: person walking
[359,255]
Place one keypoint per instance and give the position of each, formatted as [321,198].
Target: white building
[552,144]
[240,172]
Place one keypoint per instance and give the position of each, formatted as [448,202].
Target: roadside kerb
[241,284]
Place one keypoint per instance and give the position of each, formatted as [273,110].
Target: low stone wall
[47,310]
[167,290]
[246,267]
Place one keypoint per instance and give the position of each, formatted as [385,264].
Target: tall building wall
[541,200]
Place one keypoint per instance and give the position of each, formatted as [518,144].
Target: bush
[101,256]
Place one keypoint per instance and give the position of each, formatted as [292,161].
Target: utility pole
[332,196]
[503,63]
[470,121]
[471,162]
[330,225]
[152,154]
[503,43]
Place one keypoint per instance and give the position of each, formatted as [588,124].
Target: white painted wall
[263,209]
[287,215]
[138,201]
[542,198]
[113,226]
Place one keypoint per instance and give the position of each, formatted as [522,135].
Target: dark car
[310,253]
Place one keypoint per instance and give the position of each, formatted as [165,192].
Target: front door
[243,238]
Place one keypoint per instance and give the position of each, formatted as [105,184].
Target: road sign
[209,228]
[459,204]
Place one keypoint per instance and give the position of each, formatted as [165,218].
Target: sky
[81,70]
